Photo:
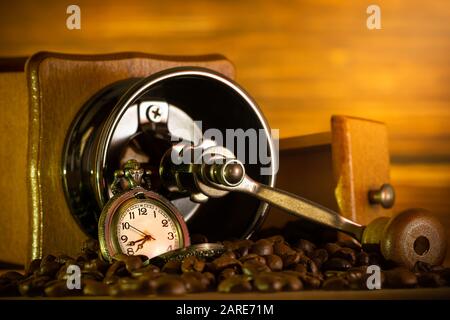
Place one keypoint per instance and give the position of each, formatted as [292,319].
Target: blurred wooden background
[301,60]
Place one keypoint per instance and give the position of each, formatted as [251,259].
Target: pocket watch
[137,221]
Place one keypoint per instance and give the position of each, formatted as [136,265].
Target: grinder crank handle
[233,171]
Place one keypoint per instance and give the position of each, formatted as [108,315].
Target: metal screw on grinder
[385,196]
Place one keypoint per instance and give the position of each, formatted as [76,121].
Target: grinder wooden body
[37,106]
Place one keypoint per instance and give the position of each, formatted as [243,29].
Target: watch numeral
[154,213]
[125,226]
[169,248]
[131,215]
[130,251]
[124,238]
[165,223]
[142,211]
[170,236]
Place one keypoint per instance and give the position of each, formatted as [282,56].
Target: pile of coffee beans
[265,265]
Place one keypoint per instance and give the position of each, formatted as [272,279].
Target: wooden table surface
[384,294]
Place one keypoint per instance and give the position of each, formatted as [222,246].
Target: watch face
[147,228]
[141,222]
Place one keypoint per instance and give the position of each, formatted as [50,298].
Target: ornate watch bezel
[109,245]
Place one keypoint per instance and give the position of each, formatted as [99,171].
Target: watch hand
[140,246]
[132,243]
[138,230]
[147,237]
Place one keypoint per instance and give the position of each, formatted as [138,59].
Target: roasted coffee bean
[421,266]
[117,269]
[209,267]
[59,288]
[63,259]
[33,286]
[192,263]
[310,282]
[400,278]
[301,268]
[274,262]
[356,278]
[292,283]
[132,263]
[347,254]
[48,258]
[292,273]
[81,260]
[128,287]
[62,273]
[310,265]
[11,276]
[8,283]
[92,275]
[253,257]
[262,247]
[281,249]
[149,284]
[242,251]
[195,281]
[96,265]
[149,269]
[170,285]
[210,277]
[226,273]
[95,288]
[268,282]
[229,255]
[331,248]
[254,267]
[334,273]
[109,280]
[335,283]
[49,268]
[33,266]
[338,264]
[276,239]
[222,263]
[306,246]
[238,283]
[291,260]
[430,280]
[319,256]
[356,273]
[362,259]
[172,266]
[445,274]
[91,248]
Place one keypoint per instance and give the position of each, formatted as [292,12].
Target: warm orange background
[301,60]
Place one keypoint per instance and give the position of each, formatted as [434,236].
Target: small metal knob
[385,196]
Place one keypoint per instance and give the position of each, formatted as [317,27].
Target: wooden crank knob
[410,236]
